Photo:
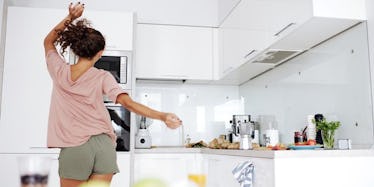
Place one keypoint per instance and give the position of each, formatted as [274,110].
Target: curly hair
[82,39]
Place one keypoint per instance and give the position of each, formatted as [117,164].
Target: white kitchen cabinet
[237,46]
[174,52]
[122,179]
[292,25]
[171,168]
[26,82]
[117,28]
[10,173]
[220,170]
[26,90]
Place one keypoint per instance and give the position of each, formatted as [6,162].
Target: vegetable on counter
[219,143]
[200,144]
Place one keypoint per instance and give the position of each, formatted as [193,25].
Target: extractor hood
[274,56]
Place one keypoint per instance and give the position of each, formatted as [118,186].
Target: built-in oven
[120,118]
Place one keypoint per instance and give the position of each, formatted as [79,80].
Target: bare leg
[70,182]
[101,177]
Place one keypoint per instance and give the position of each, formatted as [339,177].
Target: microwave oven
[117,62]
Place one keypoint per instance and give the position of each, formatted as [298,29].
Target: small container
[344,144]
[298,138]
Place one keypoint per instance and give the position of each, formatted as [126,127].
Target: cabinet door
[171,168]
[220,171]
[117,28]
[174,52]
[286,16]
[26,82]
[122,179]
[239,46]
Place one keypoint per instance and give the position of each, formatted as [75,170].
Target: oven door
[120,118]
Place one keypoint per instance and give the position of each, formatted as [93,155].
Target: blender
[143,137]
[246,129]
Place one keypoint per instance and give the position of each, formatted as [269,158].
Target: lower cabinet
[170,168]
[219,169]
[175,168]
[122,179]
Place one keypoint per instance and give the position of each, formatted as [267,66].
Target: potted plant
[327,131]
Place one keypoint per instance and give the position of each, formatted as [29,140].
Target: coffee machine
[242,128]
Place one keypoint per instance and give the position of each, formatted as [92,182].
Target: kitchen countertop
[262,153]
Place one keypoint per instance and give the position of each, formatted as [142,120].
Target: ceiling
[206,13]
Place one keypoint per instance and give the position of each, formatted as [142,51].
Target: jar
[298,138]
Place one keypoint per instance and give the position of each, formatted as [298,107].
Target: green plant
[328,131]
[325,125]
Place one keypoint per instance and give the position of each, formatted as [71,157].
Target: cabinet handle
[284,28]
[176,76]
[228,69]
[39,148]
[251,52]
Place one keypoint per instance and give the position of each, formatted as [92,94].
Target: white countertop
[262,154]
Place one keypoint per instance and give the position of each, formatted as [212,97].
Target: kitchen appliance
[242,131]
[120,118]
[143,137]
[234,135]
[255,132]
[117,62]
[245,130]
[266,122]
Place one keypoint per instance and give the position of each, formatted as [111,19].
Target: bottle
[311,128]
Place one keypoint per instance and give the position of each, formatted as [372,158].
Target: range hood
[274,56]
[259,64]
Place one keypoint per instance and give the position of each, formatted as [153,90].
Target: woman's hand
[172,121]
[75,11]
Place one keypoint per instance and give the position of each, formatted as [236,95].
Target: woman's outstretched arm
[75,11]
[171,120]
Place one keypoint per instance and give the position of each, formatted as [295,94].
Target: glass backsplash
[332,79]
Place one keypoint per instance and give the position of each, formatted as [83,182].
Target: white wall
[3,6]
[370,23]
[175,12]
[204,109]
[332,79]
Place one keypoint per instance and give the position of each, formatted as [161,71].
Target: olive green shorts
[96,156]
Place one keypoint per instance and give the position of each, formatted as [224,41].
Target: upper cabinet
[260,34]
[174,52]
[117,28]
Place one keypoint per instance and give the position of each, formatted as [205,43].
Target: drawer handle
[177,76]
[251,52]
[284,28]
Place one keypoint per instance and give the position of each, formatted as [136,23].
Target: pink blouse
[77,109]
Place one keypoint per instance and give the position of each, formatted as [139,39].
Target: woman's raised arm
[75,11]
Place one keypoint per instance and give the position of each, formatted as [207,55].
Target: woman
[79,123]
